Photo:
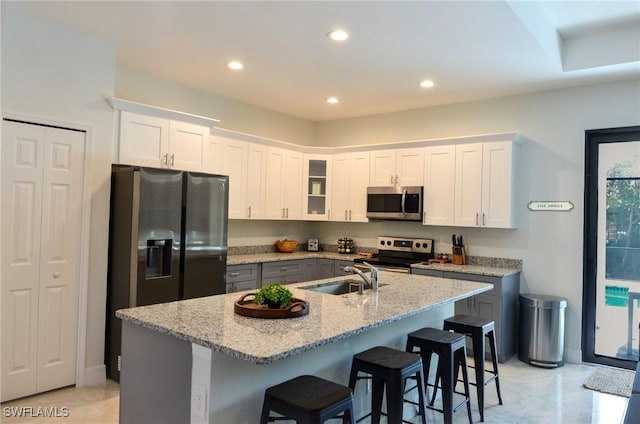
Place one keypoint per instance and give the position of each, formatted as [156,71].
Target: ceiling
[470,49]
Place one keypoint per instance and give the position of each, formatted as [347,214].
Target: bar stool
[452,355]
[478,328]
[389,368]
[308,400]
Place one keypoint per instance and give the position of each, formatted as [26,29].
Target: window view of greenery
[623,222]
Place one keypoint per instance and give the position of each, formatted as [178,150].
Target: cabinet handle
[477,218]
[165,160]
[234,274]
[349,214]
[328,213]
[249,212]
[284,268]
[172,159]
[56,274]
[424,217]
[397,179]
[287,212]
[484,220]
[282,212]
[391,178]
[345,215]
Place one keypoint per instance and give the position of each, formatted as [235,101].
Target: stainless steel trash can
[542,330]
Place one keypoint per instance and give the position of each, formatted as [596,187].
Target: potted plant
[275,296]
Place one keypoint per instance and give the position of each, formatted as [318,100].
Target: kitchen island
[197,361]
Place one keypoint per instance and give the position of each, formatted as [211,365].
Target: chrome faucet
[371,281]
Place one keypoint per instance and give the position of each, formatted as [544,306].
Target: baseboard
[573,356]
[93,375]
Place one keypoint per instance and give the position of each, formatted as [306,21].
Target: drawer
[283,279]
[496,281]
[281,269]
[236,273]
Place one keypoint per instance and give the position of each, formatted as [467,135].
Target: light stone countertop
[467,269]
[211,321]
[276,256]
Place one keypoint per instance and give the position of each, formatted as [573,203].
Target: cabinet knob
[56,274]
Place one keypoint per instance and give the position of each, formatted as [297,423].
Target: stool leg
[377,391]
[264,418]
[494,356]
[478,355]
[421,396]
[465,380]
[445,370]
[395,393]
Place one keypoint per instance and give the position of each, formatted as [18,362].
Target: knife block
[459,255]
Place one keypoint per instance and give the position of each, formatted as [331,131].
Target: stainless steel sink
[338,287]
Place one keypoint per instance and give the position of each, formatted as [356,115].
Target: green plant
[274,295]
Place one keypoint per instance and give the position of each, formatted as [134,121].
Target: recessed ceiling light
[338,35]
[333,100]
[426,84]
[235,65]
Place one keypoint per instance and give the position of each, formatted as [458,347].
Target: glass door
[611,330]
[316,196]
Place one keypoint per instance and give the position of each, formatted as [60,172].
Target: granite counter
[178,352]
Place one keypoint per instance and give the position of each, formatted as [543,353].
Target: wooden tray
[247,308]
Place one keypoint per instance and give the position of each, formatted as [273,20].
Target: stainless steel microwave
[395,203]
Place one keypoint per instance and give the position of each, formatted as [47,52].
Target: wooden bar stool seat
[308,400]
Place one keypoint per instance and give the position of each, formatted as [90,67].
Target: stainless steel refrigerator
[167,242]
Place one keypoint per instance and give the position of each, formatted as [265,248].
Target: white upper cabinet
[283,184]
[349,187]
[245,164]
[485,185]
[316,196]
[162,138]
[397,167]
[439,177]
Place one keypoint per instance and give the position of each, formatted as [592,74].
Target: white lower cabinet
[42,183]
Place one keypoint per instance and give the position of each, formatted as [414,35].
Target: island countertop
[212,323]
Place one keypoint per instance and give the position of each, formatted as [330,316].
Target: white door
[383,168]
[340,192]
[496,185]
[188,146]
[274,200]
[144,140]
[468,185]
[358,186]
[409,167]
[234,164]
[439,177]
[42,200]
[256,179]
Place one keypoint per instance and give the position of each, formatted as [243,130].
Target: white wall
[52,73]
[551,168]
[234,115]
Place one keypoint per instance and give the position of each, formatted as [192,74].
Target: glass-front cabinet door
[317,171]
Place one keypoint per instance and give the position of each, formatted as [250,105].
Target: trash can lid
[543,301]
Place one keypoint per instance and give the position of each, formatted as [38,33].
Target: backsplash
[471,260]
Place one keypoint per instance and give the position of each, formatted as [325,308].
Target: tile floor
[530,395]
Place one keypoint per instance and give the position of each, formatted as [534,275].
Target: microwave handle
[404,197]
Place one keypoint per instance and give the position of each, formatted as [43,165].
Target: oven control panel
[405,244]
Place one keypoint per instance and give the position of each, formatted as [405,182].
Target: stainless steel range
[397,254]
